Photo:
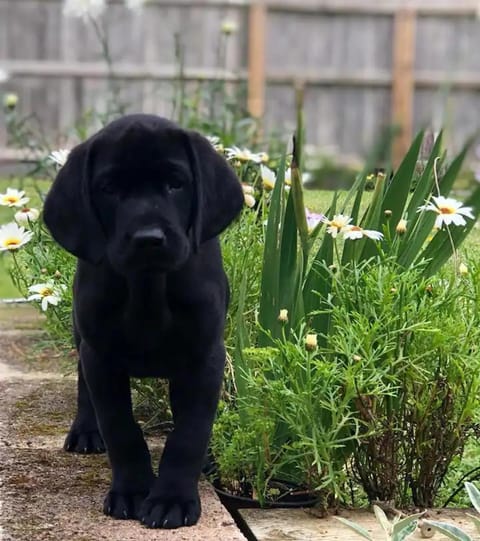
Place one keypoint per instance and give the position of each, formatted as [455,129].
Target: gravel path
[47,494]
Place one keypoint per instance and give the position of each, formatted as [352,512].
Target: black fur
[141,204]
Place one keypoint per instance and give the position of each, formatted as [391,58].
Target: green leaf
[355,527]
[425,183]
[473,494]
[398,190]
[399,525]
[288,289]
[450,531]
[269,297]
[405,532]
[476,521]
[383,520]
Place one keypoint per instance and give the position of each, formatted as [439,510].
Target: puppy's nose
[149,238]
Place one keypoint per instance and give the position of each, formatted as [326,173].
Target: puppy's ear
[218,195]
[68,211]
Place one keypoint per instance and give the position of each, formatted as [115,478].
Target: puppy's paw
[157,512]
[85,442]
[124,506]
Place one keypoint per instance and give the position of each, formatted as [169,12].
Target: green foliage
[396,530]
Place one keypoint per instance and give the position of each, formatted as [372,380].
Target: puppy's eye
[174,183]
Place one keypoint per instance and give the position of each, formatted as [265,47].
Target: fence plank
[403,81]
[256,59]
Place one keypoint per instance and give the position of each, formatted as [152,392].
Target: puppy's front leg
[132,474]
[173,500]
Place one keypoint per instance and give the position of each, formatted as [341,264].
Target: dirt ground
[45,493]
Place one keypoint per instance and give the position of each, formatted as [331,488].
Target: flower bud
[401,227]
[10,101]
[229,27]
[463,269]
[388,213]
[283,315]
[311,342]
[249,200]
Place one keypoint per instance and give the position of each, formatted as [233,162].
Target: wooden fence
[362,63]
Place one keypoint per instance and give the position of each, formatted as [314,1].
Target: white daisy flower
[13,236]
[354,232]
[337,224]
[450,211]
[242,155]
[268,177]
[48,293]
[215,142]
[84,8]
[59,156]
[27,216]
[13,198]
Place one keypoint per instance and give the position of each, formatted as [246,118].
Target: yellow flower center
[355,228]
[447,210]
[45,292]
[11,242]
[11,199]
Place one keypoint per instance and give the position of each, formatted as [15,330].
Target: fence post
[256,58]
[403,86]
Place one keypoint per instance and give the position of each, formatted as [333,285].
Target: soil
[46,493]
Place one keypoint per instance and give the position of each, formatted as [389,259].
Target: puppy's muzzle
[149,239]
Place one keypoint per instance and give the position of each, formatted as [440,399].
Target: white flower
[229,27]
[59,156]
[135,4]
[288,176]
[13,236]
[268,177]
[353,232]
[48,293]
[84,8]
[313,219]
[13,198]
[450,211]
[336,224]
[4,76]
[27,216]
[243,155]
[215,142]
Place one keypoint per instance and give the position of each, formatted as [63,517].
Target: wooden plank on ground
[403,89]
[303,525]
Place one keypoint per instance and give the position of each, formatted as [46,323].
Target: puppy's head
[143,194]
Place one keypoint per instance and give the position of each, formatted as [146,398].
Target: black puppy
[140,204]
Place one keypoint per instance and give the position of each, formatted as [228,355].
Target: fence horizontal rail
[367,7]
[371,78]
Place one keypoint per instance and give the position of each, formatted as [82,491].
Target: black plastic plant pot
[294,498]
